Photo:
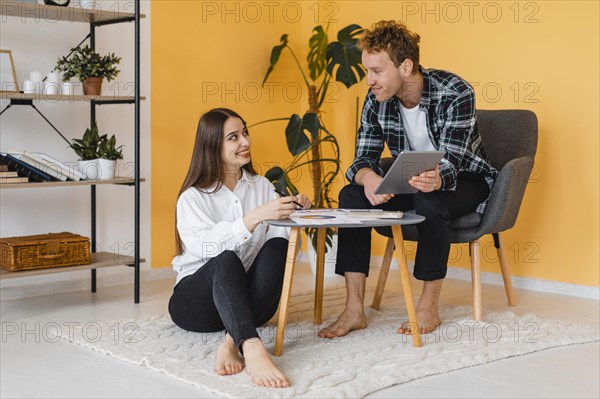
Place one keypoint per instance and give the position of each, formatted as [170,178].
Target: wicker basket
[44,251]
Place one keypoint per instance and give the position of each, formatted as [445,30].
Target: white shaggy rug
[353,366]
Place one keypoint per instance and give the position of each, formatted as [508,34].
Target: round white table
[321,227]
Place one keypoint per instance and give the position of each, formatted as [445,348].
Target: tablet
[407,165]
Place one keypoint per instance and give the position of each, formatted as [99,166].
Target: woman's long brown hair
[206,167]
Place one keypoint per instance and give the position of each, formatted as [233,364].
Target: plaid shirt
[449,103]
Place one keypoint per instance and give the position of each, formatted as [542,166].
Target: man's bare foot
[229,361]
[347,321]
[428,319]
[260,365]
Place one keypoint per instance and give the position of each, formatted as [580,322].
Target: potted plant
[87,148]
[307,135]
[109,154]
[89,67]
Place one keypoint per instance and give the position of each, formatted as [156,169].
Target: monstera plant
[306,135]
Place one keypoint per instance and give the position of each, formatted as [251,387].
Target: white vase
[89,169]
[87,4]
[106,169]
[330,257]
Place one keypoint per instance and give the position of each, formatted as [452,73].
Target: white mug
[28,87]
[52,77]
[36,77]
[68,88]
[51,88]
[87,4]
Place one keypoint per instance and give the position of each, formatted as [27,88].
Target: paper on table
[322,217]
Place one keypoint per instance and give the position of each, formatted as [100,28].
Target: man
[408,108]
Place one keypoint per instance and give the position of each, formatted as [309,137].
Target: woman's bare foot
[427,319]
[347,321]
[260,365]
[229,361]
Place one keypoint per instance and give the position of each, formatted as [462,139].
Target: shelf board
[71,98]
[44,12]
[99,260]
[119,180]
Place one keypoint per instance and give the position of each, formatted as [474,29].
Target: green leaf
[346,55]
[290,185]
[277,176]
[316,54]
[275,54]
[310,122]
[85,62]
[295,136]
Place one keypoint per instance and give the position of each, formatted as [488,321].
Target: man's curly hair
[394,38]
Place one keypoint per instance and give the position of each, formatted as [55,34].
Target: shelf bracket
[17,101]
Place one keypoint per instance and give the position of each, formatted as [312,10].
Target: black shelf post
[137,156]
[93,187]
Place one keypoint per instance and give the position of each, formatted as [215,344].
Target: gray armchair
[510,141]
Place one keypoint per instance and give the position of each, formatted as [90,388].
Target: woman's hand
[280,208]
[303,201]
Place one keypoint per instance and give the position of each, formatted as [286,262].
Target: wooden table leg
[286,289]
[321,235]
[406,285]
[388,255]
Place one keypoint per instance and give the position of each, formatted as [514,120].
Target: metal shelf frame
[95,19]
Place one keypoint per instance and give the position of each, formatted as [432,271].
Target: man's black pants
[438,207]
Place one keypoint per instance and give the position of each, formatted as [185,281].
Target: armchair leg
[506,276]
[383,273]
[476,279]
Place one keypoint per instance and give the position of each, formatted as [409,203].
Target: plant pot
[88,4]
[106,169]
[92,86]
[89,169]
[330,257]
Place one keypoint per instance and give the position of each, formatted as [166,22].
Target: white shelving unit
[94,18]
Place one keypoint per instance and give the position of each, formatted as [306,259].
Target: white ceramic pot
[88,4]
[106,169]
[330,257]
[89,169]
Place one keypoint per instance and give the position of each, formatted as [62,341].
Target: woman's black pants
[221,295]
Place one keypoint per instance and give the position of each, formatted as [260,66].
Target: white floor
[33,365]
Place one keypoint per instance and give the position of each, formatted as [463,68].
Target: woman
[230,263]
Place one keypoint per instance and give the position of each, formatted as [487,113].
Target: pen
[284,195]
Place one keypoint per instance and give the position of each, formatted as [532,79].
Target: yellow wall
[542,56]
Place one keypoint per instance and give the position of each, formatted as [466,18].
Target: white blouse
[209,224]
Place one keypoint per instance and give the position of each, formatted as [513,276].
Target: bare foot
[260,365]
[229,361]
[427,319]
[347,321]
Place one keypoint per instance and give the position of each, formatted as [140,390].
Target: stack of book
[375,214]
[10,176]
[24,166]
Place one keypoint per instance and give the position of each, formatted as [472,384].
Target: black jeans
[438,207]
[222,296]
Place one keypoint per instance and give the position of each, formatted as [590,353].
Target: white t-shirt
[415,125]
[209,224]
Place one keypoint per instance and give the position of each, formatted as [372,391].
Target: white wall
[36,45]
